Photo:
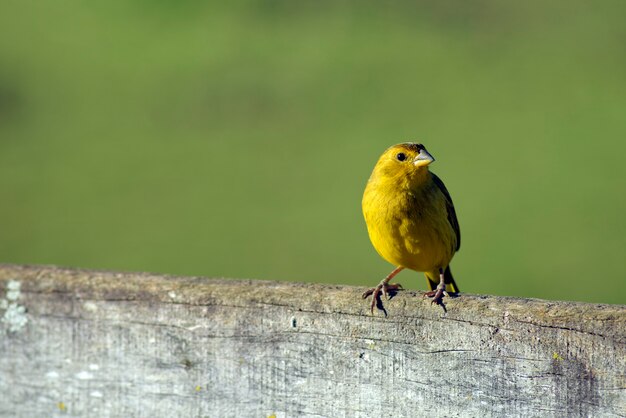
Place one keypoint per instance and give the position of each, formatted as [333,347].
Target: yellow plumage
[410,216]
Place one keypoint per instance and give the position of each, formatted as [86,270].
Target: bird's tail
[433,280]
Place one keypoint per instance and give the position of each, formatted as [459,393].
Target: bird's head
[408,161]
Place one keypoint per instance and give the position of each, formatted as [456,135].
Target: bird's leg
[439,292]
[383,287]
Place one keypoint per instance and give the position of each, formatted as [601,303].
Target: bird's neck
[405,182]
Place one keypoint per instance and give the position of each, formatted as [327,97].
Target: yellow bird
[411,221]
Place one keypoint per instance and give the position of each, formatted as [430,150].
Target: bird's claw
[388,290]
[437,296]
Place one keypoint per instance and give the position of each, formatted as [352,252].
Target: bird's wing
[451,213]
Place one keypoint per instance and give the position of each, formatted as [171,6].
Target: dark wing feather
[450,207]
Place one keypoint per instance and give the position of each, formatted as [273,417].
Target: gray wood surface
[87,343]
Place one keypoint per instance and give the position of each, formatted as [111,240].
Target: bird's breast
[409,227]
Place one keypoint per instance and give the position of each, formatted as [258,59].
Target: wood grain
[89,343]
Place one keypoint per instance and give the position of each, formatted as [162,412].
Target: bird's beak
[423,159]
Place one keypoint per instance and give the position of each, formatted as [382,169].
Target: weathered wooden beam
[89,343]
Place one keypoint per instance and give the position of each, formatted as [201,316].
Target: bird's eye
[401,156]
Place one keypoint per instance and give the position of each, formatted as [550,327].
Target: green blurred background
[235,138]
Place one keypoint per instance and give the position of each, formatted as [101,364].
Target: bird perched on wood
[411,221]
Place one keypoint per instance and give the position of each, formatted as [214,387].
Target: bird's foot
[437,296]
[388,290]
